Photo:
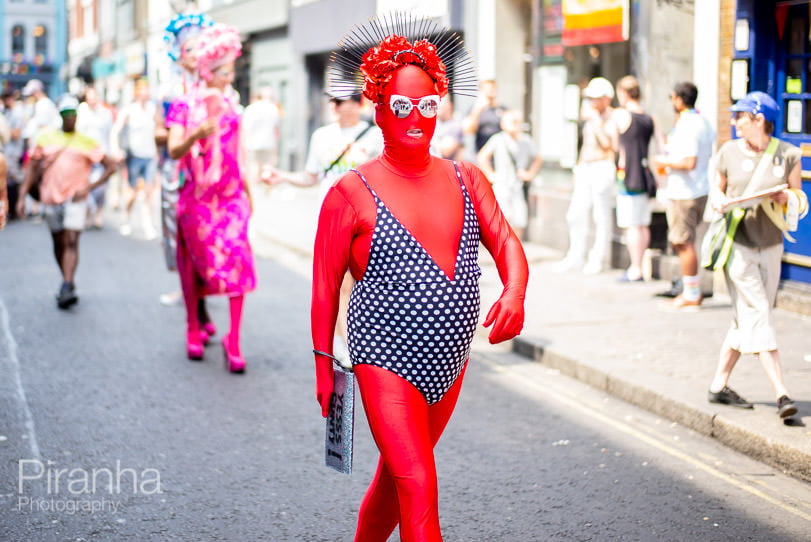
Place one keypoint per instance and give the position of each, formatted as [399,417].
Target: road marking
[578,404]
[15,370]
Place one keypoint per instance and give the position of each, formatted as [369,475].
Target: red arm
[507,314]
[333,240]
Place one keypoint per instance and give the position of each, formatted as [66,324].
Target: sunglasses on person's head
[401,106]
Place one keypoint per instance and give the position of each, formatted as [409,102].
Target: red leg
[406,429]
[235,304]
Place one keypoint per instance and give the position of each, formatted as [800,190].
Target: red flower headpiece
[368,56]
[379,64]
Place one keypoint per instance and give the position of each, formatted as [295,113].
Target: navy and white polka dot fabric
[406,315]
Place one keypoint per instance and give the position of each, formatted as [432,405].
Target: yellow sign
[794,86]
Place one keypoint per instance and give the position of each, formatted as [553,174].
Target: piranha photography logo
[46,487]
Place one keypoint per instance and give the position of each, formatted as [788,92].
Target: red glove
[324,382]
[507,317]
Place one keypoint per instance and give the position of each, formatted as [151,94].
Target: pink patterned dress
[213,208]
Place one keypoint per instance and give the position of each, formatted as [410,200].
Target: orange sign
[587,22]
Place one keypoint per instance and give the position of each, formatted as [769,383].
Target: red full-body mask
[407,140]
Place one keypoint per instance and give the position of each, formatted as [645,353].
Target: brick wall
[724,66]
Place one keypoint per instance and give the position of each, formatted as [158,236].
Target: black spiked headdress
[368,54]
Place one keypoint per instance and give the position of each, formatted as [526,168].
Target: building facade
[34,43]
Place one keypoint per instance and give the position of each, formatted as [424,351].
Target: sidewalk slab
[617,337]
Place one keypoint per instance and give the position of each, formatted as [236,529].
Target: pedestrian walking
[95,120]
[686,160]
[260,135]
[63,158]
[182,37]
[14,148]
[593,177]
[334,149]
[515,162]
[213,253]
[448,138]
[484,118]
[44,114]
[137,124]
[636,182]
[415,305]
[755,161]
[4,210]
[337,147]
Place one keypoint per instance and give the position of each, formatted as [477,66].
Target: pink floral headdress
[218,45]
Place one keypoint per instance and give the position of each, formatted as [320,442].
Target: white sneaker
[125,230]
[566,265]
[592,269]
[171,299]
[150,233]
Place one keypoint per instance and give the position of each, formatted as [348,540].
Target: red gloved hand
[324,382]
[507,317]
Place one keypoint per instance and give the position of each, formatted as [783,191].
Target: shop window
[17,39]
[796,101]
[41,40]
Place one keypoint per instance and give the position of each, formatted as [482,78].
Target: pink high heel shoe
[234,362]
[204,338]
[210,329]
[194,346]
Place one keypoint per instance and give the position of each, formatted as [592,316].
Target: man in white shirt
[139,118]
[260,134]
[45,114]
[95,120]
[336,148]
[688,152]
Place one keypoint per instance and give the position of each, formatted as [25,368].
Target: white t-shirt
[96,123]
[691,136]
[45,115]
[140,129]
[327,143]
[259,124]
[510,155]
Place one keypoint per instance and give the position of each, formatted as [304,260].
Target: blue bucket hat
[758,103]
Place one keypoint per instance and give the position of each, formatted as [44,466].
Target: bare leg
[774,370]
[637,239]
[729,357]
[70,254]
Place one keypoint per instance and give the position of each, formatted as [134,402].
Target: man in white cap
[593,176]
[61,161]
[44,115]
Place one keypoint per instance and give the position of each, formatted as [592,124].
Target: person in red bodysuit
[407,226]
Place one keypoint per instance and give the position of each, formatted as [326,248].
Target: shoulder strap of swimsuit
[362,178]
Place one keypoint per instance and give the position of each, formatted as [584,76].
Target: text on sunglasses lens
[401,106]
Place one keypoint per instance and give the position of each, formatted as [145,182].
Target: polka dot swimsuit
[405,314]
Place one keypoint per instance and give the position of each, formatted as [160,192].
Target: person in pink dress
[213,252]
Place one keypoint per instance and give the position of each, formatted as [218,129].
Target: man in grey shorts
[63,159]
[689,147]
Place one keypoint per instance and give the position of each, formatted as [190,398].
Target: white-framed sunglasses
[401,106]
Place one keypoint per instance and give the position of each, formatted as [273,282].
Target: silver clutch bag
[341,422]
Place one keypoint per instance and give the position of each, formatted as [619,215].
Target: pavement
[620,338]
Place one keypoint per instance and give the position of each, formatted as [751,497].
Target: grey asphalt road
[107,432]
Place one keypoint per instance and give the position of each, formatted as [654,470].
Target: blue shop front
[772,53]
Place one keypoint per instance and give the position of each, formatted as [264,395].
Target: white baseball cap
[32,86]
[68,103]
[599,87]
